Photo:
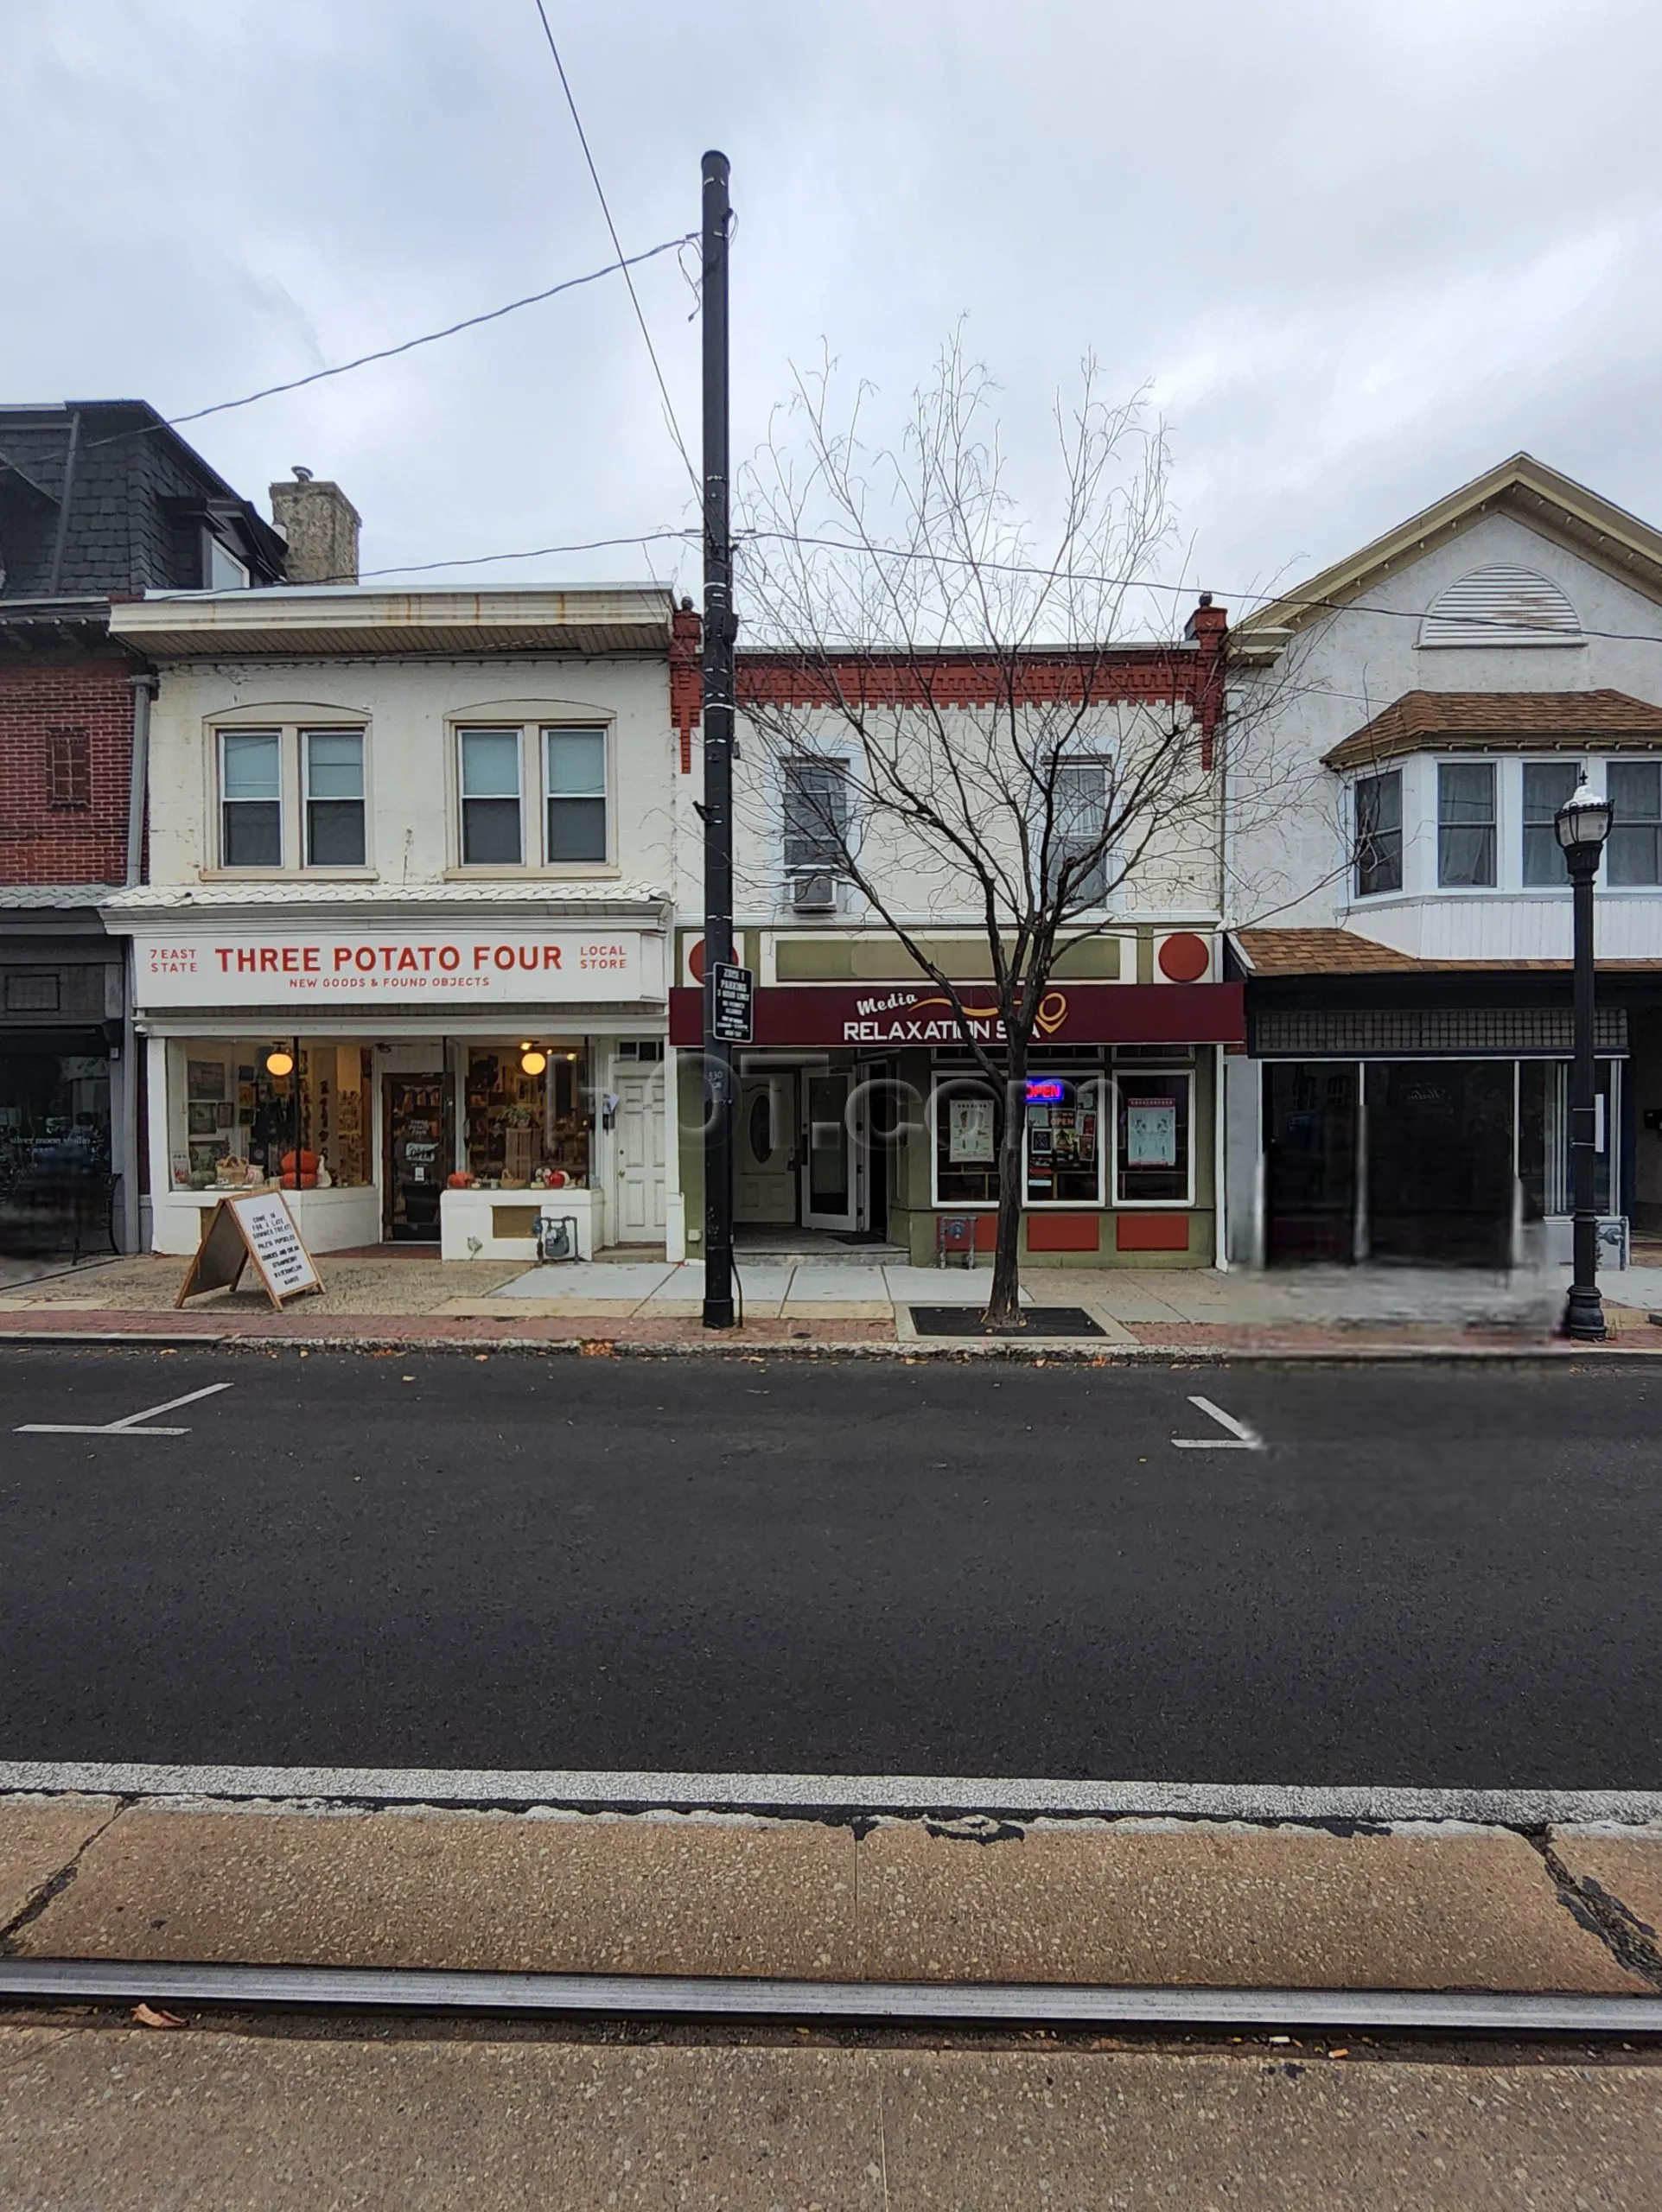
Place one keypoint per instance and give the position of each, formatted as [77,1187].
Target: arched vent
[1502,606]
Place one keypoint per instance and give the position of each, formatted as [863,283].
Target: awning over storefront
[885,1016]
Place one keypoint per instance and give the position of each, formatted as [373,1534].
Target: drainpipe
[144,688]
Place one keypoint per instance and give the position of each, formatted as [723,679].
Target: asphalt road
[1428,1576]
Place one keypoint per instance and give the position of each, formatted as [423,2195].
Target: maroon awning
[882,1016]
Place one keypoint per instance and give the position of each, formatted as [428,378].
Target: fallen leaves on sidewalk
[151,2016]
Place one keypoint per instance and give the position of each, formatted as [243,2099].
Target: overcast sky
[1358,252]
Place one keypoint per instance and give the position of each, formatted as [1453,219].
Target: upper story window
[291,798]
[567,764]
[816,816]
[221,569]
[1466,824]
[575,794]
[1082,794]
[1634,852]
[250,799]
[1379,833]
[493,831]
[332,768]
[1501,606]
[1547,784]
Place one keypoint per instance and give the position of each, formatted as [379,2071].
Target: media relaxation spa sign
[210,967]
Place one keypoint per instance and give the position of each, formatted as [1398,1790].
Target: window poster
[969,1140]
[1151,1133]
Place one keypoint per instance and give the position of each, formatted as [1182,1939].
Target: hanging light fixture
[532,1060]
[279,1061]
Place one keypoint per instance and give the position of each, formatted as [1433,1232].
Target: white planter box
[328,1221]
[477,1225]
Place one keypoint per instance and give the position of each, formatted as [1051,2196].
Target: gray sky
[1358,251]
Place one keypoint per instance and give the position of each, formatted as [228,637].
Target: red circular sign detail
[1184,958]
[695,961]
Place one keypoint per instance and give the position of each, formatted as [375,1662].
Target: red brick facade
[65,754]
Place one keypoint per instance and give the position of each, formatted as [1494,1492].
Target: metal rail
[963,2004]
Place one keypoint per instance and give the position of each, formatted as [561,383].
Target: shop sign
[258,1226]
[437,966]
[731,997]
[882,1017]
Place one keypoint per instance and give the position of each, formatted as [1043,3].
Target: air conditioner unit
[815,894]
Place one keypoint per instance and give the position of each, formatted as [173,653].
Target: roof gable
[1553,505]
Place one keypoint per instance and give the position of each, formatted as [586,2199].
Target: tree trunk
[1004,1305]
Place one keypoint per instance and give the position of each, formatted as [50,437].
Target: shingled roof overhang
[1266,954]
[1502,721]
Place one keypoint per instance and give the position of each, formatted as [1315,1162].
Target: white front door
[638,1210]
[765,1149]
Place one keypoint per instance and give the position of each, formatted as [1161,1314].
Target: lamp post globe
[1582,825]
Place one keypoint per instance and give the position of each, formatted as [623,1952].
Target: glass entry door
[419,1155]
[834,1160]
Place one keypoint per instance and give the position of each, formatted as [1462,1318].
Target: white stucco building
[407,920]
[1403,925]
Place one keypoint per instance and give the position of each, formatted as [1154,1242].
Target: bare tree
[965,731]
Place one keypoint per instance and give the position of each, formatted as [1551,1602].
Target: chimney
[320,524]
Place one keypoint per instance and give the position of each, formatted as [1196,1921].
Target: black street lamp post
[1582,824]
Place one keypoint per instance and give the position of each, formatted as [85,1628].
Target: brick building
[98,501]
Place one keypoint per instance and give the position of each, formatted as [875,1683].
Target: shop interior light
[279,1061]
[532,1061]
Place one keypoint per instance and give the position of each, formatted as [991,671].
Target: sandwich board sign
[253,1225]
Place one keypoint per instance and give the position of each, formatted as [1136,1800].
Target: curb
[913,1351]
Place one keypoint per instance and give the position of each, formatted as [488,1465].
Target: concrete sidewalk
[127,2121]
[653,1304]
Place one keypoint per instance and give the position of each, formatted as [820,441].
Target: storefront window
[969,1117]
[1543,1136]
[295,1115]
[1154,1157]
[54,1146]
[525,1128]
[1064,1147]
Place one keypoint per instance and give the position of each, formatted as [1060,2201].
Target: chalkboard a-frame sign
[255,1225]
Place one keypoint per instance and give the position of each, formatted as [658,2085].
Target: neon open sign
[1045,1091]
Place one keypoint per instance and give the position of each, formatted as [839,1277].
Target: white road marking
[132,1425]
[1016,1797]
[1240,1439]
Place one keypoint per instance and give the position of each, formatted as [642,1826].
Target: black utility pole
[720,628]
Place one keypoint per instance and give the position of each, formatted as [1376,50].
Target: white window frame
[223,861]
[1140,1074]
[1624,890]
[1093,757]
[464,731]
[1405,786]
[603,730]
[1494,764]
[304,733]
[941,1078]
[1101,1081]
[840,763]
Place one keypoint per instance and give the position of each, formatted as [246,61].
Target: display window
[1064,1141]
[270,1111]
[1154,1152]
[528,1118]
[969,1121]
[55,1143]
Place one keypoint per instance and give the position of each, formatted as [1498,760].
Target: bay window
[1379,849]
[1634,790]
[1547,784]
[1466,824]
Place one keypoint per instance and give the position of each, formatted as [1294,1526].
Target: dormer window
[221,569]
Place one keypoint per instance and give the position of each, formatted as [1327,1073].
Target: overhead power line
[409,344]
[617,247]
